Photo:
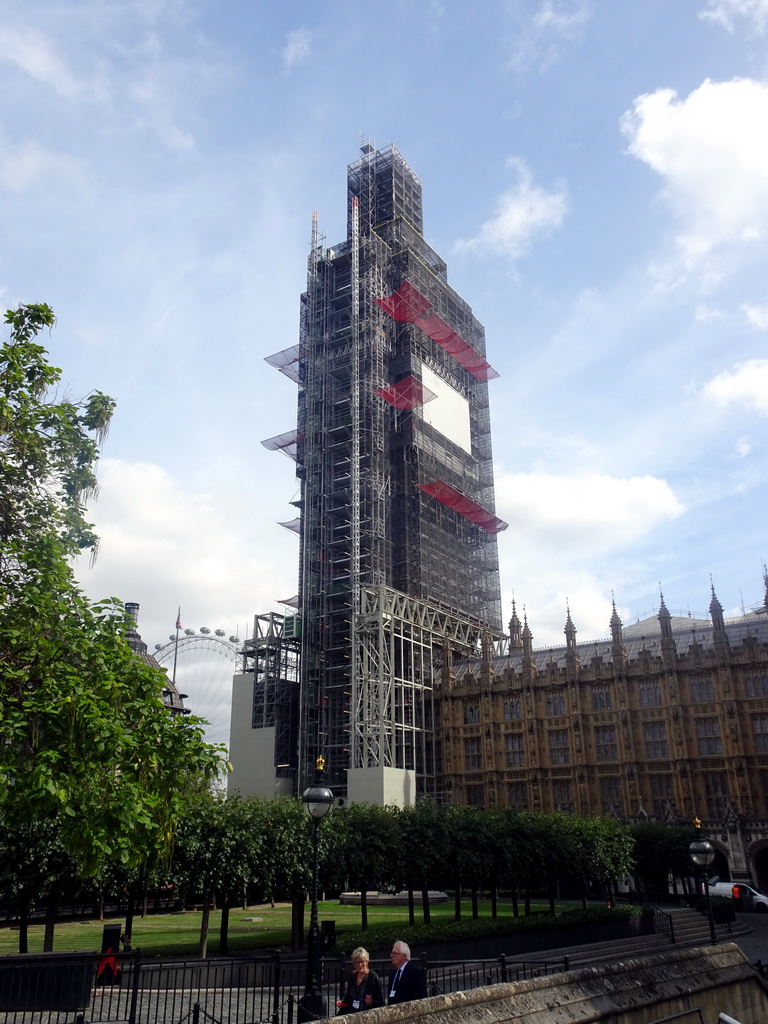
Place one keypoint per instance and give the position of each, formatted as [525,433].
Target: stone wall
[713,979]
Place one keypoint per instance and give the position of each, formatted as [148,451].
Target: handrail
[659,917]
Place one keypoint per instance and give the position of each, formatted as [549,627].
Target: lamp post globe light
[317,800]
[702,853]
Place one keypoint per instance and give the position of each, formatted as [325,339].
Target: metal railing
[126,988]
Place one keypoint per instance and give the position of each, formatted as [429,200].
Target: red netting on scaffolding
[408,305]
[465,506]
[286,362]
[455,345]
[407,394]
[284,443]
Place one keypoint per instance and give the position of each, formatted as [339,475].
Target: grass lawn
[268,928]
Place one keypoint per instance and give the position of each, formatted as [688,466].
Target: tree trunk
[457,902]
[425,905]
[494,901]
[515,907]
[205,920]
[24,929]
[411,909]
[527,902]
[551,894]
[224,926]
[364,909]
[129,911]
[475,911]
[50,924]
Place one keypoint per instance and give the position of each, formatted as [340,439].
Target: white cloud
[298,47]
[710,150]
[538,39]
[728,12]
[522,213]
[706,314]
[591,508]
[757,316]
[36,56]
[24,164]
[746,385]
[164,547]
[566,18]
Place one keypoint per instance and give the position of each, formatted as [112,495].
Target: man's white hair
[403,948]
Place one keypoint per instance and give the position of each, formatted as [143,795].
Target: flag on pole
[178,619]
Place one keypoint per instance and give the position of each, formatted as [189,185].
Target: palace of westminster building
[667,720]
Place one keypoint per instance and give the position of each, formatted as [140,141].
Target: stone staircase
[690,929]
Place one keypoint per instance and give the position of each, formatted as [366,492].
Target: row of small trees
[229,850]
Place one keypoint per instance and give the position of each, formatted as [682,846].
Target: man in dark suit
[406,979]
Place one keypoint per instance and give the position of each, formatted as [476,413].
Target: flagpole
[176,647]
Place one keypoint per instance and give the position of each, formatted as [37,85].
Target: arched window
[650,695]
[555,705]
[602,698]
[702,691]
[471,713]
[513,709]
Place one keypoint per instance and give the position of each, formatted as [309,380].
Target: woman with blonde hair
[364,987]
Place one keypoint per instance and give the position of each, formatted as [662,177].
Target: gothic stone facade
[667,720]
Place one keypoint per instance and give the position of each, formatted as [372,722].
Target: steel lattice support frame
[401,644]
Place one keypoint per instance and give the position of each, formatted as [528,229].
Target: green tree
[221,845]
[84,734]
[426,850]
[662,850]
[367,843]
[35,871]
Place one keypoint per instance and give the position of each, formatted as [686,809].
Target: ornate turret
[571,651]
[515,633]
[668,648]
[527,639]
[716,613]
[618,650]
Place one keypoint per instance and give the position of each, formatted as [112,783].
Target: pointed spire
[668,646]
[527,639]
[616,623]
[571,651]
[716,611]
[570,629]
[618,651]
[515,634]
[665,619]
[765,586]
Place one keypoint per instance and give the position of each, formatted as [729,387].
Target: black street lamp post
[317,800]
[702,854]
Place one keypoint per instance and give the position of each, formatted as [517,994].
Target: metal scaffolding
[272,654]
[394,458]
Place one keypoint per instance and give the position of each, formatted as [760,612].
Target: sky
[596,176]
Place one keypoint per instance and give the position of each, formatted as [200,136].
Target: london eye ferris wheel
[201,663]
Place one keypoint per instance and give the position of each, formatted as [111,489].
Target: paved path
[755,946]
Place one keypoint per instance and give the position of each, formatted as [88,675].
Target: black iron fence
[125,988]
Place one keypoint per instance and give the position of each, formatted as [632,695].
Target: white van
[752,899]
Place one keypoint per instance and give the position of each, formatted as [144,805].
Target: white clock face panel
[448,412]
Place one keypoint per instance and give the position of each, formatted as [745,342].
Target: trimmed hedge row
[381,938]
